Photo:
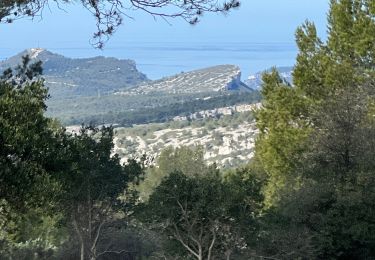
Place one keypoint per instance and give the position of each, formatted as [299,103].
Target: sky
[69,31]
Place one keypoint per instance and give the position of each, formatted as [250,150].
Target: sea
[162,59]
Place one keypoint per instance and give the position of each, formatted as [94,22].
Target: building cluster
[217,112]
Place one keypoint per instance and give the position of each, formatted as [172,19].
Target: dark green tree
[188,160]
[328,200]
[27,147]
[204,216]
[337,70]
[191,211]
[95,189]
[284,129]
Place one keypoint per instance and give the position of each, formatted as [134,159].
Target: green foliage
[324,72]
[29,148]
[92,167]
[202,214]
[50,181]
[321,133]
[141,109]
[283,131]
[190,161]
[27,142]
[32,233]
[91,186]
[69,78]
[308,194]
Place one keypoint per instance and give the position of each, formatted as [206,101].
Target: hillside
[67,77]
[228,140]
[108,90]
[142,109]
[227,135]
[212,79]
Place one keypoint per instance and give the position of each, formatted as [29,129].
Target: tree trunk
[82,251]
[228,253]
[81,240]
[211,246]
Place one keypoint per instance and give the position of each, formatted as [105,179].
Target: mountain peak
[34,52]
[68,77]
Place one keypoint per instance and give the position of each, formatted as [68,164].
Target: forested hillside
[69,78]
[147,103]
[84,90]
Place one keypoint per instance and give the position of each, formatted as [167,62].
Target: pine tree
[327,75]
[317,140]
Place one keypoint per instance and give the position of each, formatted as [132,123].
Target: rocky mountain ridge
[68,77]
[108,90]
[211,79]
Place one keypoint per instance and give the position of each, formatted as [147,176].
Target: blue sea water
[160,59]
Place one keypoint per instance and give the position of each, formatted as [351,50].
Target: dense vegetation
[83,90]
[309,193]
[128,110]
[316,140]
[167,112]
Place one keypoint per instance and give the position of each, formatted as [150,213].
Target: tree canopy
[316,138]
[92,185]
[332,85]
[27,140]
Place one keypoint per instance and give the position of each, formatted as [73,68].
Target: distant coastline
[160,59]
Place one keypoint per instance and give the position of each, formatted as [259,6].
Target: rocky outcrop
[212,79]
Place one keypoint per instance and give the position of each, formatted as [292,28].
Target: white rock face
[34,52]
[227,146]
[255,81]
[215,78]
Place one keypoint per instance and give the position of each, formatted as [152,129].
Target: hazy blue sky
[256,21]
